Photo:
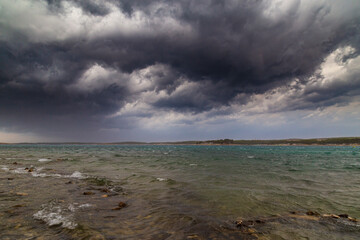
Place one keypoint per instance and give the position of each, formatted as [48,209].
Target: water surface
[177,192]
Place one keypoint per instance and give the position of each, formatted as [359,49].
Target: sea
[95,192]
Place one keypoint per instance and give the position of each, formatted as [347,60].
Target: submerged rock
[88,193]
[21,194]
[19,205]
[311,213]
[247,226]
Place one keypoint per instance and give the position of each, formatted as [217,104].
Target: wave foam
[36,172]
[54,214]
[44,160]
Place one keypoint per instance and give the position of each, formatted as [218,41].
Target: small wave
[44,160]
[54,214]
[5,168]
[161,179]
[250,156]
[36,172]
[86,205]
[76,174]
[192,164]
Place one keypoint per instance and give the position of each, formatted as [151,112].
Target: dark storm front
[179,192]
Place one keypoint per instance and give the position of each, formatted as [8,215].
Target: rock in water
[352,219]
[88,193]
[121,205]
[311,213]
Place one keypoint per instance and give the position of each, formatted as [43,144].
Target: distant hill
[292,141]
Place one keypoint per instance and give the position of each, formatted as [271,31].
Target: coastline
[337,141]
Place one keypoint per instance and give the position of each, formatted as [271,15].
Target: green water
[177,192]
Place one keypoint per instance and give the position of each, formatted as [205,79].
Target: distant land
[280,142]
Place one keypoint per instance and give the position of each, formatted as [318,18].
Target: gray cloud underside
[228,50]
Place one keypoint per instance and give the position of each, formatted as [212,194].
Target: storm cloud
[94,64]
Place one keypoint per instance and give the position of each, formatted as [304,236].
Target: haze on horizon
[166,70]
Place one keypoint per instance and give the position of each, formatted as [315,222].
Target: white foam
[19,170]
[53,214]
[44,160]
[72,208]
[76,174]
[161,179]
[5,168]
[86,205]
[250,156]
[36,172]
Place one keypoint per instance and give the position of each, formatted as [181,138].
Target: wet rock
[334,216]
[251,230]
[352,219]
[238,222]
[15,163]
[193,237]
[19,206]
[121,205]
[97,237]
[311,213]
[344,215]
[260,221]
[10,178]
[21,194]
[88,193]
[105,190]
[69,182]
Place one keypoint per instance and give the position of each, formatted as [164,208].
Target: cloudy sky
[158,70]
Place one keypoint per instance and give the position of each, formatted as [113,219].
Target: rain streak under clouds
[156,70]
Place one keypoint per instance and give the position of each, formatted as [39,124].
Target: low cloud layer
[71,69]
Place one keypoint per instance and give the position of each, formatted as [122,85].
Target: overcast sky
[167,70]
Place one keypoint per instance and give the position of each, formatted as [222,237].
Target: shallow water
[177,192]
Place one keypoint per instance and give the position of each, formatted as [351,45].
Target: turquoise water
[177,192]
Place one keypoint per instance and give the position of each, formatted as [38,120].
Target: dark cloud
[224,48]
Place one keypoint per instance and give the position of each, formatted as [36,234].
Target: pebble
[21,194]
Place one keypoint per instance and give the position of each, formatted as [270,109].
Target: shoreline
[334,141]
